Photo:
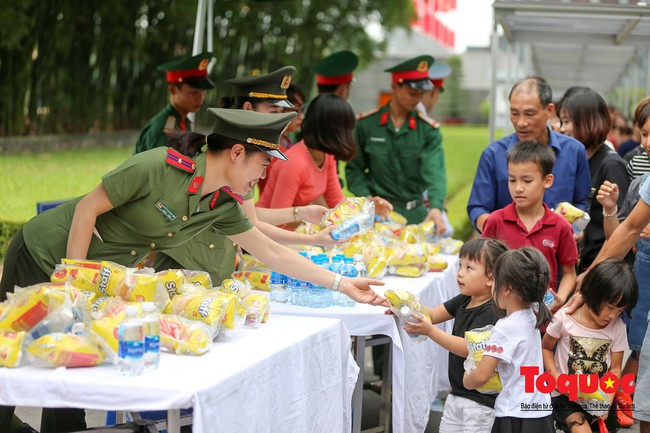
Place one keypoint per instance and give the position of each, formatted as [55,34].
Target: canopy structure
[602,44]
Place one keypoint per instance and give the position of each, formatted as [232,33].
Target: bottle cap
[348,260]
[131,310]
[358,257]
[148,307]
[405,310]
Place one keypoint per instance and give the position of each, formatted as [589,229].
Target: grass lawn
[30,178]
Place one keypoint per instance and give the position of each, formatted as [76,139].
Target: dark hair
[525,272]
[531,82]
[294,91]
[642,112]
[612,281]
[532,151]
[589,114]
[186,142]
[484,250]
[328,126]
[327,88]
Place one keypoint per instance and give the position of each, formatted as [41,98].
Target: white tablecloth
[419,369]
[293,374]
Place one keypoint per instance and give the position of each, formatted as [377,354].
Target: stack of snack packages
[73,321]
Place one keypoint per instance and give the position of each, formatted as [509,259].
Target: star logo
[423,66]
[610,383]
[203,65]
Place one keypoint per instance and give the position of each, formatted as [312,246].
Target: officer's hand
[359,289]
[435,215]
[312,213]
[324,238]
[382,206]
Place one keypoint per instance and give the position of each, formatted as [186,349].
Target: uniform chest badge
[165,210]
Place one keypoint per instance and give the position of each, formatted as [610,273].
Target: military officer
[399,150]
[334,73]
[160,199]
[213,252]
[187,80]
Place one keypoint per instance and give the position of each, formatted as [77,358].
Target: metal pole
[199,27]
[494,49]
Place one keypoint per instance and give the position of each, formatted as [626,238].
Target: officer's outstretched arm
[95,203]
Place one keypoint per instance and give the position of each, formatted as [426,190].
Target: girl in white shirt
[521,279]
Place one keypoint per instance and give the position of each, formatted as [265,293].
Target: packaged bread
[65,350]
[199,278]
[259,280]
[259,301]
[184,336]
[404,304]
[477,340]
[11,348]
[577,217]
[436,263]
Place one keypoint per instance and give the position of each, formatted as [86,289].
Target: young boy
[529,222]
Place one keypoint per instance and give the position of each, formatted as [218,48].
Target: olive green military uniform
[153,210]
[210,251]
[153,134]
[399,165]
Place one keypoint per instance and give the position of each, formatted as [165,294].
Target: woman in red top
[310,171]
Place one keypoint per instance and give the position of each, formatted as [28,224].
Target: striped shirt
[638,166]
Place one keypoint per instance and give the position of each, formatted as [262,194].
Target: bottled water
[337,262]
[353,226]
[360,266]
[279,288]
[319,296]
[131,344]
[548,298]
[300,293]
[406,313]
[151,327]
[347,270]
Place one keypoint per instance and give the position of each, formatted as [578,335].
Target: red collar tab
[384,118]
[195,185]
[335,80]
[213,201]
[181,76]
[400,77]
[232,194]
[412,124]
[180,161]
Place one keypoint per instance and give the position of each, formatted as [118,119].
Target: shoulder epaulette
[367,113]
[428,120]
[170,124]
[180,161]
[233,194]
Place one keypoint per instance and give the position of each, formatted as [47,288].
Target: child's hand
[608,196]
[557,302]
[421,325]
[389,312]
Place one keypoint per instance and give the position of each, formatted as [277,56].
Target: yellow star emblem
[610,383]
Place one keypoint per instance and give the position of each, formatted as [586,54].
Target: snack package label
[31,317]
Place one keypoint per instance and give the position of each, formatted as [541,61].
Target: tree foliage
[77,66]
[453,102]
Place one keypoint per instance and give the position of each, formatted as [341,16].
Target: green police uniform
[400,165]
[192,71]
[211,251]
[153,134]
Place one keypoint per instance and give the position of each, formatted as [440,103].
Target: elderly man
[530,106]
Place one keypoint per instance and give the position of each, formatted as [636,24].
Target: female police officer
[159,199]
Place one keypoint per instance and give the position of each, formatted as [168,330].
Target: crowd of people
[186,200]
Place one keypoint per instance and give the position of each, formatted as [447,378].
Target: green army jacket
[209,251]
[153,133]
[157,206]
[398,165]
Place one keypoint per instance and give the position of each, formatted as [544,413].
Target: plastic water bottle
[347,270]
[319,296]
[337,262]
[548,298]
[360,265]
[131,344]
[352,226]
[151,326]
[300,293]
[279,288]
[407,315]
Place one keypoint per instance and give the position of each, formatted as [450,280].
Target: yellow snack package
[198,278]
[403,254]
[410,271]
[105,333]
[183,336]
[344,210]
[11,348]
[111,279]
[577,217]
[436,263]
[144,288]
[450,246]
[428,229]
[260,302]
[207,309]
[229,303]
[30,305]
[171,280]
[410,234]
[259,280]
[241,289]
[377,267]
[81,277]
[65,350]
[477,340]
